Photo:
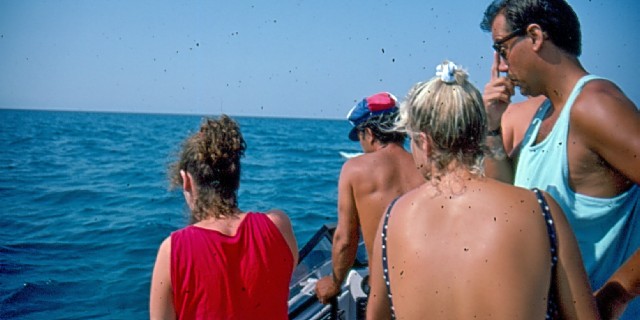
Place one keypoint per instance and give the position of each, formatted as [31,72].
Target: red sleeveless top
[245,276]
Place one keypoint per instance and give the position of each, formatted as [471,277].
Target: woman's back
[228,264]
[484,253]
[237,276]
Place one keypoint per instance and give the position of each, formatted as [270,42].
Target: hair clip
[446,72]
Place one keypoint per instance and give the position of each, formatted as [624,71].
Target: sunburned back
[382,176]
[483,254]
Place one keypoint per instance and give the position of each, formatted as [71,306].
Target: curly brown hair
[212,157]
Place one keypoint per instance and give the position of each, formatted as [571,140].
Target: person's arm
[378,304]
[620,289]
[610,125]
[497,164]
[161,297]
[282,221]
[345,240]
[575,300]
[496,97]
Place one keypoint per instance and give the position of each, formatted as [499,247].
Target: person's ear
[424,142]
[368,135]
[187,183]
[188,188]
[537,35]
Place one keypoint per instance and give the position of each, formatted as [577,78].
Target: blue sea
[85,201]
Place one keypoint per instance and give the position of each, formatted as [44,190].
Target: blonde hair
[452,115]
[212,157]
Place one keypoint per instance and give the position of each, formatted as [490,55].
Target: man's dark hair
[555,17]
[382,128]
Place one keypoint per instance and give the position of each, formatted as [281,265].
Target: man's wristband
[496,132]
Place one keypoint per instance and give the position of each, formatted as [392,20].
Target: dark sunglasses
[497,46]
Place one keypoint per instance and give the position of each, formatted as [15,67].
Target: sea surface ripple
[85,201]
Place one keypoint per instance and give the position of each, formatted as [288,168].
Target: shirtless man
[368,183]
[584,149]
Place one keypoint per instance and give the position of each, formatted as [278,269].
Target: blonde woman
[462,246]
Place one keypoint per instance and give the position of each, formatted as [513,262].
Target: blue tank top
[607,229]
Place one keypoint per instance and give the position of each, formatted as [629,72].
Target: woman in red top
[228,264]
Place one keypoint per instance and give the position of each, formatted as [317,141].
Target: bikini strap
[385,264]
[551,229]
[552,306]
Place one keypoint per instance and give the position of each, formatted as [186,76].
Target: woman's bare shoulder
[279,217]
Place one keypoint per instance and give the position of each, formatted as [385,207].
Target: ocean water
[85,202]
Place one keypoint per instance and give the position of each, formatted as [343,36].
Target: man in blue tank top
[582,146]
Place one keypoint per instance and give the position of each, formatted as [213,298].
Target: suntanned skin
[620,289]
[475,248]
[604,131]
[367,184]
[161,297]
[517,113]
[512,133]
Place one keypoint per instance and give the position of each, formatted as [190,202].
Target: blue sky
[311,59]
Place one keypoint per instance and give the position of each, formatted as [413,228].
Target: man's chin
[524,90]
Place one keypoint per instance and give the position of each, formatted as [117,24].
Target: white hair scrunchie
[446,72]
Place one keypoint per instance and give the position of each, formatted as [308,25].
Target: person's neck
[377,146]
[453,180]
[232,214]
[227,224]
[561,78]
